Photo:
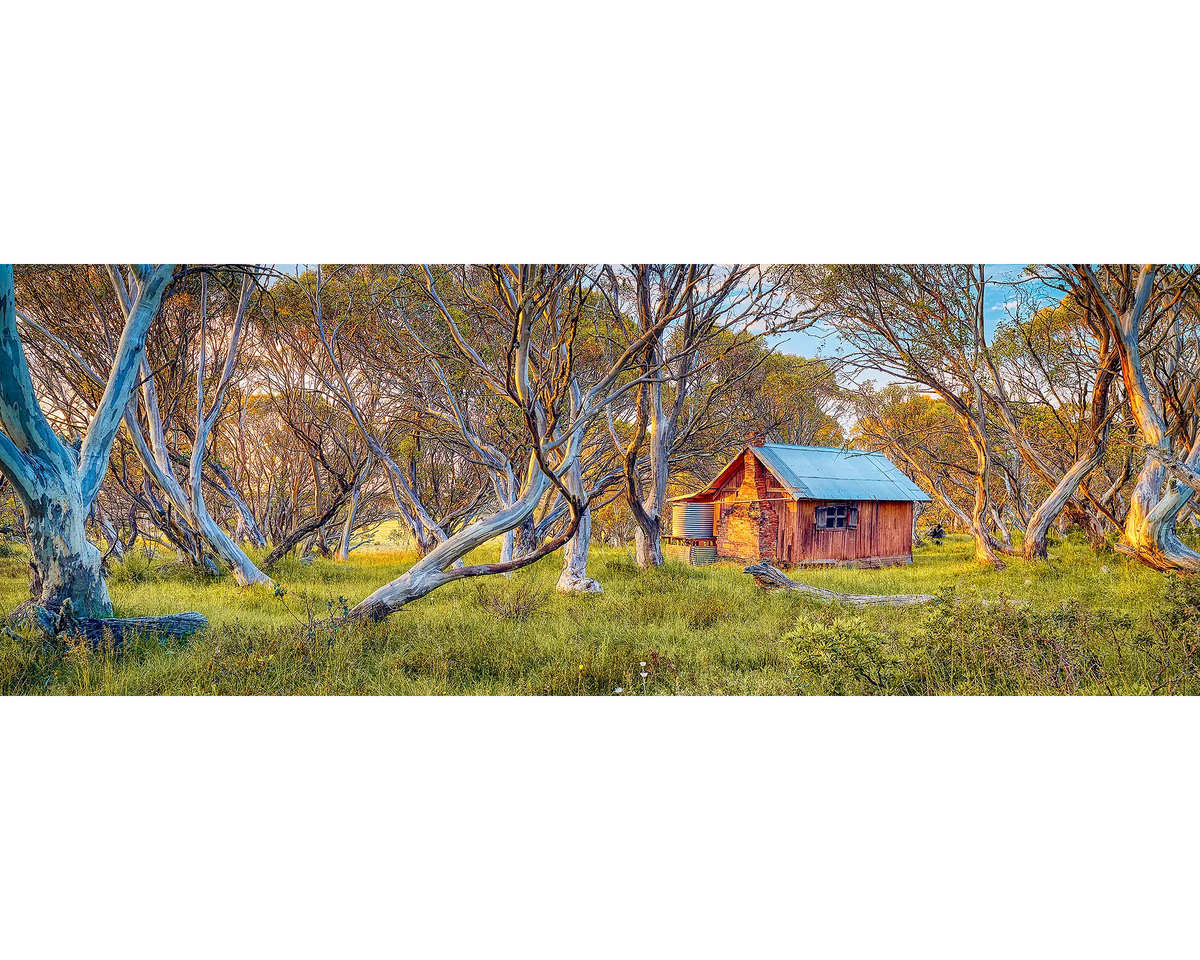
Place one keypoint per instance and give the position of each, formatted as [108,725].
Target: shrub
[516,602]
[708,612]
[972,646]
[847,656]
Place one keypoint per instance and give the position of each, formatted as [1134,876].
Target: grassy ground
[1087,624]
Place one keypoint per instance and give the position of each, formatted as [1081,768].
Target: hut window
[837,516]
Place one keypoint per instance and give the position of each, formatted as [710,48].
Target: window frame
[845,511]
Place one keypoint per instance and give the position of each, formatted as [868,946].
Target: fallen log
[772,578]
[124,628]
[96,630]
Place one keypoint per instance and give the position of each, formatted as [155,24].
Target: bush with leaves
[842,654]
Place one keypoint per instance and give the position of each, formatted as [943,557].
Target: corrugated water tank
[692,521]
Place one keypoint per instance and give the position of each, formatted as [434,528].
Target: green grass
[1093,624]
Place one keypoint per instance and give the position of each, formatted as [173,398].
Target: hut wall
[884,533]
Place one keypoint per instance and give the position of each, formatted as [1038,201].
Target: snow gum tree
[57,486]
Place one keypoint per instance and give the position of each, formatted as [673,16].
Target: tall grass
[1082,624]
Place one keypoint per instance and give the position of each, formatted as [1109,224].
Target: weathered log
[125,628]
[771,578]
[95,630]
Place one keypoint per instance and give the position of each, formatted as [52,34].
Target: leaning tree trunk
[245,571]
[1034,546]
[1150,532]
[247,529]
[1089,522]
[286,542]
[437,567]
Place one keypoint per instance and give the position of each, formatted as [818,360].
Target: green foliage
[1170,636]
[843,654]
[1004,647]
[1180,608]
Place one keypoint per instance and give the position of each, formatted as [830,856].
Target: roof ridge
[811,446]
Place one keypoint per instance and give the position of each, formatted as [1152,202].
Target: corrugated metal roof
[829,473]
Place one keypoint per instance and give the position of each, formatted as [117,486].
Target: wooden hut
[795,505]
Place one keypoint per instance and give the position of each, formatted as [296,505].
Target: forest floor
[1081,623]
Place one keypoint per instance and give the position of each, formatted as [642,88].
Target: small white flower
[1028,582]
[642,664]
[644,674]
[619,690]
[1104,569]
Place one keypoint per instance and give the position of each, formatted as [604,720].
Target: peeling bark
[67,564]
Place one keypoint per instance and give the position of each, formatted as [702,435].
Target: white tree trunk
[1150,532]
[574,577]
